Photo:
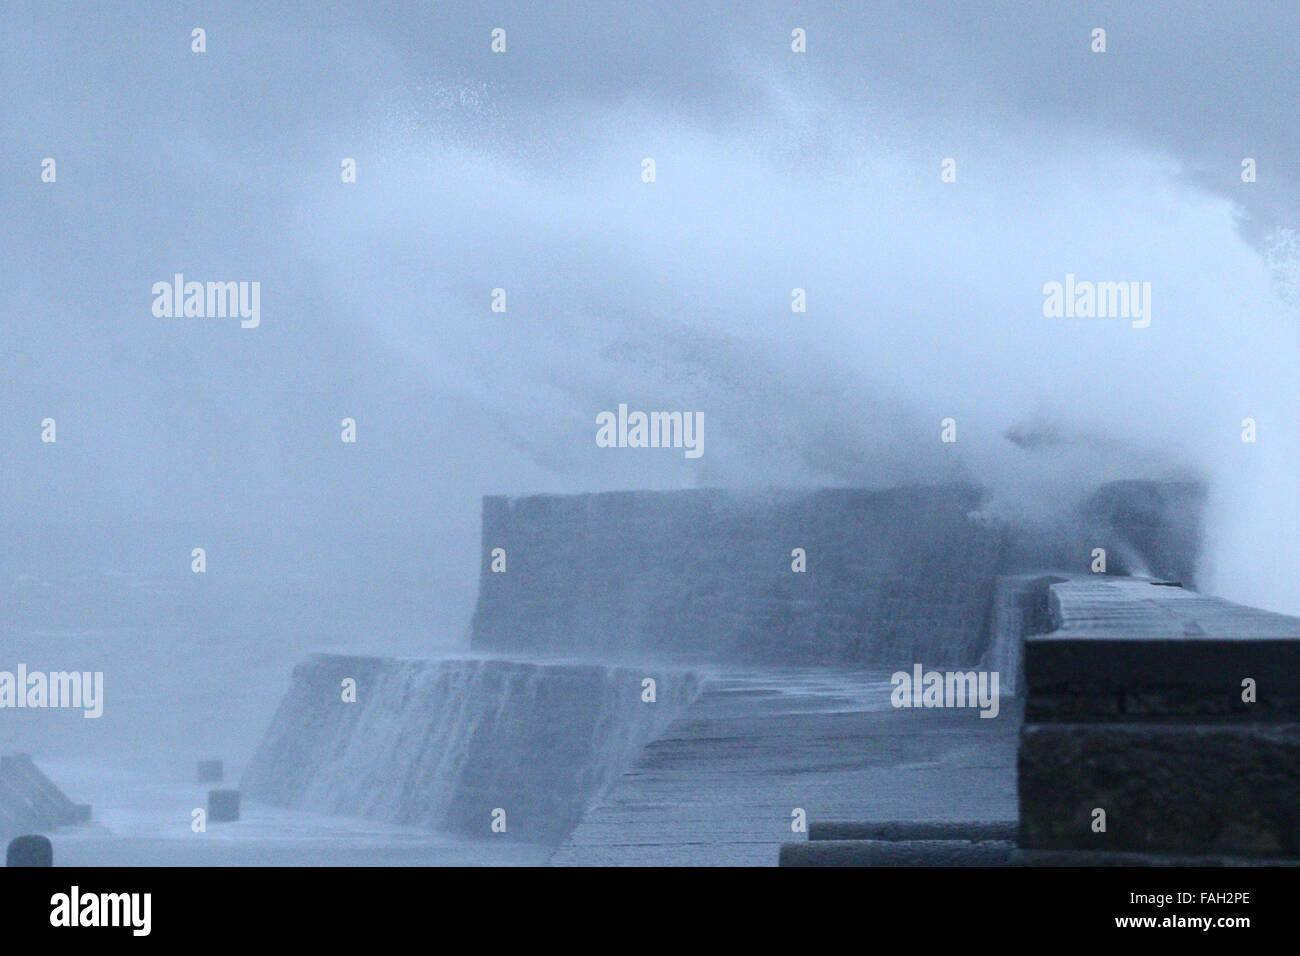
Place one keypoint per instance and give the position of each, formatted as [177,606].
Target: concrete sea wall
[892,576]
[583,597]
[440,744]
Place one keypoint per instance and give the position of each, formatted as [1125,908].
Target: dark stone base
[1226,789]
[1095,858]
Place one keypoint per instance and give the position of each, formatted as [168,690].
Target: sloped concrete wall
[440,744]
[29,801]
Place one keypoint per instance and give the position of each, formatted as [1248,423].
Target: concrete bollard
[223,806]
[30,850]
[211,771]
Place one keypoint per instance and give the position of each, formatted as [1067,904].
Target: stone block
[1225,788]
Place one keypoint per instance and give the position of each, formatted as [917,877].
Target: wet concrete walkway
[719,787]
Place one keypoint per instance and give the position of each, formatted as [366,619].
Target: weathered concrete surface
[1126,648]
[444,743]
[1135,707]
[897,853]
[892,576]
[1229,788]
[719,786]
[971,831]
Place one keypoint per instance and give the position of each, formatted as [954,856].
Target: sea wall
[891,577]
[441,744]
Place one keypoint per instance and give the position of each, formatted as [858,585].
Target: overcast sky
[523,170]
